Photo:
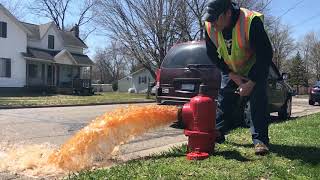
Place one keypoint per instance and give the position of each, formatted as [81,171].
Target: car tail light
[315,90]
[158,77]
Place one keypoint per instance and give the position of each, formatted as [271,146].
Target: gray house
[138,81]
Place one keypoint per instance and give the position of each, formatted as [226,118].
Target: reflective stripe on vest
[212,33]
[242,57]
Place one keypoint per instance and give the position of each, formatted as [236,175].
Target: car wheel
[158,100]
[285,111]
[247,115]
[311,102]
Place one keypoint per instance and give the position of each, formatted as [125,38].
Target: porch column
[53,74]
[56,80]
[90,73]
[79,72]
[44,74]
[27,73]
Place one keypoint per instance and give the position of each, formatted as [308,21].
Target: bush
[115,86]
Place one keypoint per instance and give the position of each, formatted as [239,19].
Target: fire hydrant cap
[197,155]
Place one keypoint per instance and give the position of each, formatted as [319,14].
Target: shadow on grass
[180,151]
[176,151]
[309,155]
[277,120]
[232,155]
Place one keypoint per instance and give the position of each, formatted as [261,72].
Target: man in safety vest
[238,38]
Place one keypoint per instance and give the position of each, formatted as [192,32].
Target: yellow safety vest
[242,57]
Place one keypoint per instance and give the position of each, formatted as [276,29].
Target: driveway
[56,125]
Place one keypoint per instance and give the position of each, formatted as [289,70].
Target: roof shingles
[34,29]
[38,30]
[49,56]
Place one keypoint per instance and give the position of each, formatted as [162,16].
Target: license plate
[187,87]
[165,90]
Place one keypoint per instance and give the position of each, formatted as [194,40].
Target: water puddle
[91,147]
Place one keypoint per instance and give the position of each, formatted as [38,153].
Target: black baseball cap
[215,8]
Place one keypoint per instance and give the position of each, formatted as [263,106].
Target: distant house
[138,81]
[35,56]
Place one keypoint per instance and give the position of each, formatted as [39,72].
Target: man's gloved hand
[237,78]
[245,89]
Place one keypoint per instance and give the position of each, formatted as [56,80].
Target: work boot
[178,125]
[261,149]
[220,137]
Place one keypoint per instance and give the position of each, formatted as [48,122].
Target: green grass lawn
[295,154]
[38,100]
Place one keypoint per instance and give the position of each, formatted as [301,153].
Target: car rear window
[317,84]
[181,56]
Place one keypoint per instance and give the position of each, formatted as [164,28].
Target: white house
[138,81]
[40,55]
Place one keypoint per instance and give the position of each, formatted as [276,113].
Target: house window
[50,42]
[3,29]
[5,67]
[142,80]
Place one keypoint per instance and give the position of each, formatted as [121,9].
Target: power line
[288,10]
[307,20]
[267,4]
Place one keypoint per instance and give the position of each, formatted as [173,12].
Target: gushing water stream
[91,146]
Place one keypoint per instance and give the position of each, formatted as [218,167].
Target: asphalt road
[56,125]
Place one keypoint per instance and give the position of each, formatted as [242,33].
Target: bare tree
[100,69]
[16,7]
[282,43]
[260,5]
[59,11]
[111,63]
[315,60]
[197,10]
[147,28]
[307,45]
[184,23]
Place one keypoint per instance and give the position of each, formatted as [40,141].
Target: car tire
[311,102]
[158,101]
[286,109]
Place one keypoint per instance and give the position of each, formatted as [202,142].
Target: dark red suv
[184,68]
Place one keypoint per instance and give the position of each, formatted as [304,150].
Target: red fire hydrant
[198,117]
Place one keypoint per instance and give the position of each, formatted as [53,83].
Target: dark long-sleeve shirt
[259,43]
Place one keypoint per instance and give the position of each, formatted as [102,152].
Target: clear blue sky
[302,16]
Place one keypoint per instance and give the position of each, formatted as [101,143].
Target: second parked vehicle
[314,95]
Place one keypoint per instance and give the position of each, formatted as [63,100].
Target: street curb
[74,105]
[149,152]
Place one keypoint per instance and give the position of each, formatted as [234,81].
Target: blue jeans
[229,105]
